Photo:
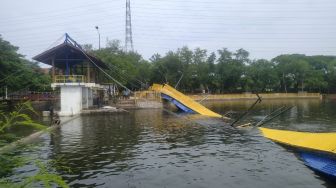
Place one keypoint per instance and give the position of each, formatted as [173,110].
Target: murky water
[153,148]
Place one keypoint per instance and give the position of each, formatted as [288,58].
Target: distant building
[45,71]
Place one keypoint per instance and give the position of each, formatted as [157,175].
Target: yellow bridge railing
[70,79]
[147,95]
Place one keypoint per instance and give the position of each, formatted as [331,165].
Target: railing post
[53,69]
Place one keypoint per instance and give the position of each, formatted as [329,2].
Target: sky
[265,28]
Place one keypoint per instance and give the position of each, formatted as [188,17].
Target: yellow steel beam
[325,142]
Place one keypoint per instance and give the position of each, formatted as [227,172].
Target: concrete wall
[90,97]
[87,97]
[71,100]
[85,93]
[148,104]
[253,96]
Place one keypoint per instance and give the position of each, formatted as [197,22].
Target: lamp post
[98,35]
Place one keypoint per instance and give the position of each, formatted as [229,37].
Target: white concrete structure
[71,100]
[75,97]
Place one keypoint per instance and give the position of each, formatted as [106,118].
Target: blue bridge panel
[320,163]
[177,104]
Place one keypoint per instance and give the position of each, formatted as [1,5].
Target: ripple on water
[149,148]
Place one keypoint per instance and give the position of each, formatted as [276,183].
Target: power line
[170,16]
[10,75]
[159,6]
[215,34]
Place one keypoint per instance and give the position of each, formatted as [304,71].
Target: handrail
[70,78]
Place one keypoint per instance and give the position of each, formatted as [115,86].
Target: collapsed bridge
[182,101]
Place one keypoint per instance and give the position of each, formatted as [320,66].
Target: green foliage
[43,178]
[18,73]
[230,72]
[223,71]
[128,68]
[18,117]
[235,72]
[311,73]
[9,161]
[261,76]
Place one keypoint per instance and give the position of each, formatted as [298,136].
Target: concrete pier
[75,97]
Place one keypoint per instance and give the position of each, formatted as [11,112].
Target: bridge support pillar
[71,100]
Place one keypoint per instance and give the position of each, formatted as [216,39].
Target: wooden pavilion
[76,73]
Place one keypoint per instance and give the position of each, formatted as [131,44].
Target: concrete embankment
[329,96]
[250,96]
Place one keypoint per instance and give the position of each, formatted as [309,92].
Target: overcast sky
[266,28]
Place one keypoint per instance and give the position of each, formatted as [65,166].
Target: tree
[242,55]
[211,81]
[262,75]
[17,73]
[230,71]
[130,69]
[300,72]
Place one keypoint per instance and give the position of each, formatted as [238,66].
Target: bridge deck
[185,100]
[325,142]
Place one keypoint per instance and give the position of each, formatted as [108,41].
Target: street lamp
[98,35]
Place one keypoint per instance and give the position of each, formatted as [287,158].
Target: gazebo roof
[68,52]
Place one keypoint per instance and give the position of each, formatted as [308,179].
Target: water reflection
[307,115]
[153,148]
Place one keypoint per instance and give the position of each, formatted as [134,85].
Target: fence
[147,95]
[34,96]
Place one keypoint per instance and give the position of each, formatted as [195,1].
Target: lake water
[154,148]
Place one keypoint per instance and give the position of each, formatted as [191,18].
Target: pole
[98,35]
[6,97]
[53,69]
[248,111]
[179,81]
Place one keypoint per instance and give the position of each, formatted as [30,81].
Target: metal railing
[147,95]
[70,79]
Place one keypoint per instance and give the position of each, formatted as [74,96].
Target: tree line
[223,71]
[192,70]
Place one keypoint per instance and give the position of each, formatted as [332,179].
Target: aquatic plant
[42,178]
[18,116]
[8,161]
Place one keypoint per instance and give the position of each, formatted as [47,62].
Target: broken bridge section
[182,101]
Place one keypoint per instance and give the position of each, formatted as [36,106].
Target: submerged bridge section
[324,142]
[182,101]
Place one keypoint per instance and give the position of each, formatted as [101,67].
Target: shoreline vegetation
[20,116]
[192,70]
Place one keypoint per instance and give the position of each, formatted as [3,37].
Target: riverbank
[329,96]
[250,96]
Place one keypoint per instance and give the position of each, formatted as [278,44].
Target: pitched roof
[67,52]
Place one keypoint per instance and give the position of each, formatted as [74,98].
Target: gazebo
[76,73]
